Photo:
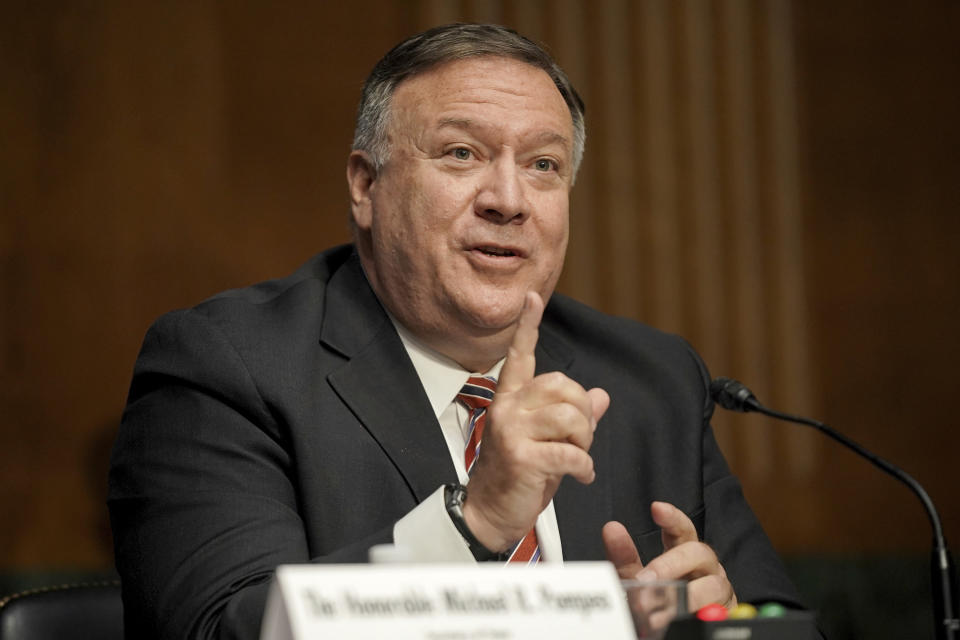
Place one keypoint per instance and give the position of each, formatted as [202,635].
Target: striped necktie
[477,395]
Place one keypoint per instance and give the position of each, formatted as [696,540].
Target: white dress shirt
[426,534]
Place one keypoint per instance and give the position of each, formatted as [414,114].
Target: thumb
[676,527]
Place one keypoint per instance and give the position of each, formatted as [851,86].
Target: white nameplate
[447,602]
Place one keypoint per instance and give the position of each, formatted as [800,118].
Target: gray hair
[443,44]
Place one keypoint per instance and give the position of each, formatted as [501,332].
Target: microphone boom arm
[735,396]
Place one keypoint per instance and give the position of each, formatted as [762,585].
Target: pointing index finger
[521,362]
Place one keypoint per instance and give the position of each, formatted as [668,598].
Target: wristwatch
[454,495]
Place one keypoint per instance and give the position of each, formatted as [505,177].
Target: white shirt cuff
[427,534]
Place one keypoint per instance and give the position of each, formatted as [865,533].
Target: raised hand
[538,429]
[684,557]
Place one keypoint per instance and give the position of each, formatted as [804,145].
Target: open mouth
[498,252]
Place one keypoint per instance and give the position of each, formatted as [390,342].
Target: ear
[361,175]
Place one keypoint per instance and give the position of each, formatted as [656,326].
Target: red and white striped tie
[477,394]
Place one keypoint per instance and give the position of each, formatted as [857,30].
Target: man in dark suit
[310,418]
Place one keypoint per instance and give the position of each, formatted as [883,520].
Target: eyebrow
[543,137]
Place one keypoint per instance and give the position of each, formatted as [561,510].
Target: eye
[461,153]
[545,164]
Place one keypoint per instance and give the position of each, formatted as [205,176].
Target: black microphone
[735,396]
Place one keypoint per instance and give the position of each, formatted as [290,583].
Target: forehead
[508,93]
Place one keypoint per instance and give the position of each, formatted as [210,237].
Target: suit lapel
[581,509]
[379,383]
[381,387]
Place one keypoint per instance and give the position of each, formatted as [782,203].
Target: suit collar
[379,384]
[552,352]
[352,314]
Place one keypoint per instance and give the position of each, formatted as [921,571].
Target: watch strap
[454,495]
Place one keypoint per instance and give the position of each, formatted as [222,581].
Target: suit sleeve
[730,526]
[201,500]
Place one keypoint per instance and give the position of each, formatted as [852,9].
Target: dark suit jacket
[285,423]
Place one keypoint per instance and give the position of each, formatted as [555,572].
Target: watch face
[454,495]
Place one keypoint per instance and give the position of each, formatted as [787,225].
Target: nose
[501,197]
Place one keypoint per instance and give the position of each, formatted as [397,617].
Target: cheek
[415,234]
[555,233]
[556,226]
[434,214]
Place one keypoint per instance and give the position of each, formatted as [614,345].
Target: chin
[495,317]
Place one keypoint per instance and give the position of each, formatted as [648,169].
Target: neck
[473,348]
[473,354]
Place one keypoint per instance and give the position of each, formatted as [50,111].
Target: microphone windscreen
[731,394]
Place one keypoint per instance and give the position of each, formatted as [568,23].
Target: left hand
[684,557]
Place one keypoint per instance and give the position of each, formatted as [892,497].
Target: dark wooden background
[152,154]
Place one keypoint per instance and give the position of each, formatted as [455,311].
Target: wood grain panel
[774,180]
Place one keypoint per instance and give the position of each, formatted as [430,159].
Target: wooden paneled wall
[776,181]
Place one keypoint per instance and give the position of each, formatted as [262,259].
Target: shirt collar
[441,377]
